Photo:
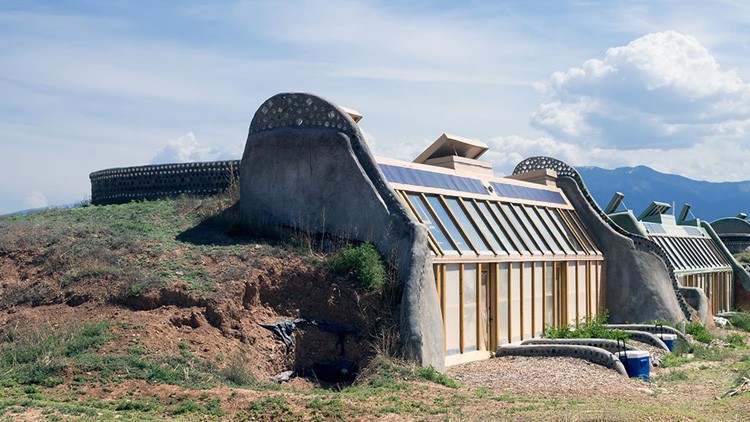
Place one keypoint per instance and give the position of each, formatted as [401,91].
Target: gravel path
[553,376]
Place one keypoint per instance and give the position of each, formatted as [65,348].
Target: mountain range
[642,185]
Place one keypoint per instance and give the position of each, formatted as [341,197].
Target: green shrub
[699,332]
[736,340]
[363,263]
[590,327]
[741,321]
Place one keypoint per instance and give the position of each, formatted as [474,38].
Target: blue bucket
[668,339]
[636,362]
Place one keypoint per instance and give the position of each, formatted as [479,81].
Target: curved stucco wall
[734,232]
[639,282]
[591,354]
[306,165]
[158,181]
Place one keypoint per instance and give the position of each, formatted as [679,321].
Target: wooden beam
[461,306]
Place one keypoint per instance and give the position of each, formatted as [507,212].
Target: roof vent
[457,153]
[354,114]
[451,145]
[684,213]
[742,216]
[656,208]
[614,203]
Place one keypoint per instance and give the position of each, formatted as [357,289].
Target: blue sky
[88,85]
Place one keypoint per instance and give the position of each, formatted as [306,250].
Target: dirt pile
[64,270]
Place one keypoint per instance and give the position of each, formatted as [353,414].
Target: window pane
[445,218]
[567,230]
[468,227]
[518,227]
[538,298]
[548,294]
[543,229]
[527,299]
[515,301]
[531,228]
[452,310]
[434,229]
[578,227]
[572,297]
[559,236]
[503,318]
[501,234]
[582,290]
[488,233]
[470,307]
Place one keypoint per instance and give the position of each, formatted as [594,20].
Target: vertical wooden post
[461,306]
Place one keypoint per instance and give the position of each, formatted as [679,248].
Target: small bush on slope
[363,263]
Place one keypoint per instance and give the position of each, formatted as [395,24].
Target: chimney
[683,213]
[614,203]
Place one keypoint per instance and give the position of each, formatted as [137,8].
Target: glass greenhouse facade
[510,257]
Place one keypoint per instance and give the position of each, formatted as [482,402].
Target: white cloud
[707,160]
[35,199]
[187,149]
[663,90]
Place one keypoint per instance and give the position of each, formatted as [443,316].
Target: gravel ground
[552,376]
[656,352]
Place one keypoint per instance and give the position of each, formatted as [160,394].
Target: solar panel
[692,231]
[417,177]
[655,208]
[654,228]
[508,190]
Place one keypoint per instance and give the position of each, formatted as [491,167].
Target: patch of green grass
[328,408]
[363,263]
[736,340]
[125,405]
[390,375]
[712,353]
[672,360]
[430,374]
[190,373]
[743,370]
[741,321]
[38,357]
[275,408]
[699,332]
[483,392]
[520,409]
[674,376]
[590,327]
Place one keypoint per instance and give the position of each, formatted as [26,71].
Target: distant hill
[642,184]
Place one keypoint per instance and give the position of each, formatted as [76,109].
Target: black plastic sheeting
[285,329]
[333,371]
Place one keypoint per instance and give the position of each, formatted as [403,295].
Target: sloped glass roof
[508,190]
[688,248]
[425,178]
[431,179]
[485,216]
[475,227]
